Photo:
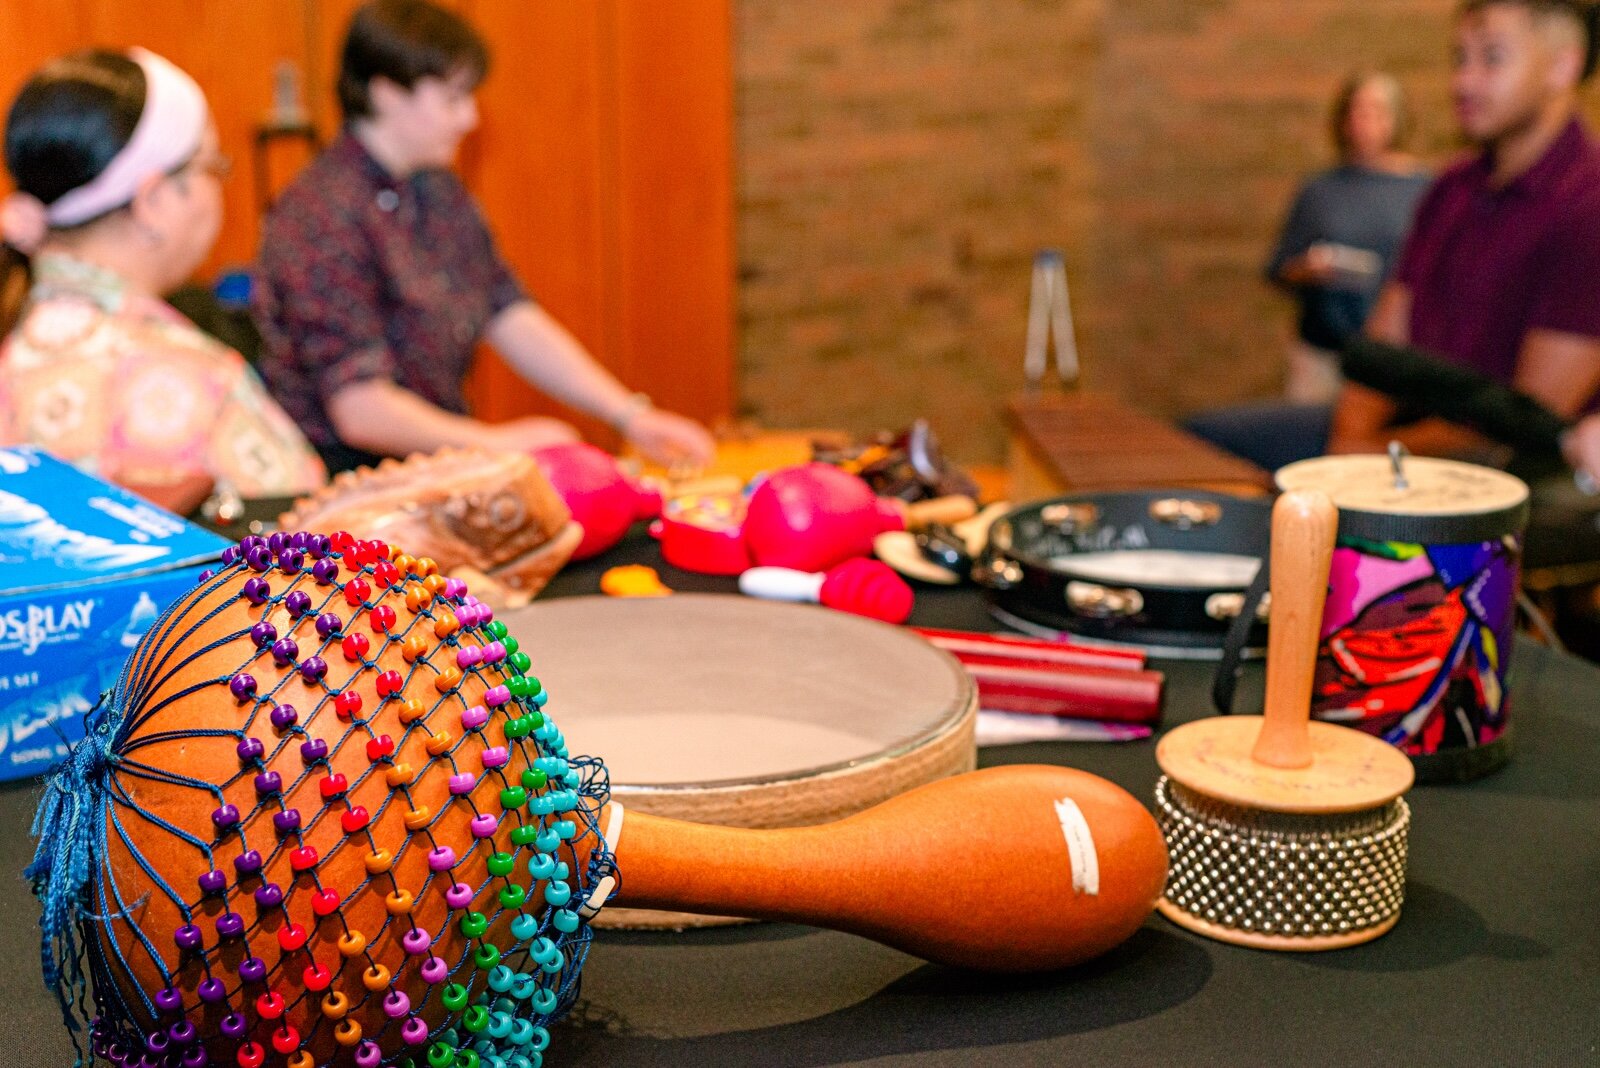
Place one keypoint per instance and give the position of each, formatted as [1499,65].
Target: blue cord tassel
[71,827]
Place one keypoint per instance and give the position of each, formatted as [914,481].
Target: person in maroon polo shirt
[378,277]
[1501,272]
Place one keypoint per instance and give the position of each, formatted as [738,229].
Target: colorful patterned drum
[1417,632]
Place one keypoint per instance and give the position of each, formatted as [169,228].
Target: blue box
[85,568]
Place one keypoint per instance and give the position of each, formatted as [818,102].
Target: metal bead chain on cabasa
[321,820]
[1283,874]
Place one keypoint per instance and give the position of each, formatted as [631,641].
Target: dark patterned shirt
[366,276]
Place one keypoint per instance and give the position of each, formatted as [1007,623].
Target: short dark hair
[70,120]
[405,41]
[1585,13]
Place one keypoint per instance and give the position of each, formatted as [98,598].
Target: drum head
[731,710]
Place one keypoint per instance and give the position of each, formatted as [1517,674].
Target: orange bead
[379,861]
[375,978]
[412,711]
[398,903]
[426,567]
[335,1006]
[418,598]
[300,1059]
[448,679]
[418,818]
[414,648]
[348,1033]
[404,561]
[439,744]
[352,943]
[434,584]
[398,775]
[446,624]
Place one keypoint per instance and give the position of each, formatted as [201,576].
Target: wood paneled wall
[603,163]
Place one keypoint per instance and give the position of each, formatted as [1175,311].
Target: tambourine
[1165,570]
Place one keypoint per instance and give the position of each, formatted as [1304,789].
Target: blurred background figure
[118,200]
[1344,229]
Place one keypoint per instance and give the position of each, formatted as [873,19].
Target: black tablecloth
[1495,961]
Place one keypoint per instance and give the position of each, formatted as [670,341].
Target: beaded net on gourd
[321,820]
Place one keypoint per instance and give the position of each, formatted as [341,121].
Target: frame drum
[748,713]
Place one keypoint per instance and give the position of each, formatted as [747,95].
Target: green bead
[440,1055]
[501,864]
[511,644]
[537,686]
[486,956]
[512,897]
[475,1019]
[520,727]
[467,1059]
[473,924]
[534,779]
[454,996]
[537,717]
[498,630]
[513,797]
[520,663]
[520,686]
[525,834]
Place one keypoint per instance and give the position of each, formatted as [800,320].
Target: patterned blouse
[366,276]
[126,388]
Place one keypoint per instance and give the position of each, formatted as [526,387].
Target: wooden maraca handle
[1018,868]
[951,509]
[1304,525]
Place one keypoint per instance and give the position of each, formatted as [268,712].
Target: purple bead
[458,896]
[298,603]
[250,541]
[328,624]
[157,1042]
[263,634]
[230,925]
[250,749]
[325,571]
[284,650]
[368,1055]
[483,825]
[169,1000]
[195,1057]
[414,1031]
[495,756]
[416,941]
[312,668]
[441,858]
[291,561]
[247,863]
[314,750]
[299,540]
[496,696]
[269,782]
[182,1032]
[211,990]
[493,653]
[284,716]
[206,576]
[468,656]
[474,717]
[454,587]
[213,882]
[485,614]
[252,969]
[396,1004]
[225,816]
[462,783]
[269,896]
[242,686]
[434,970]
[317,546]
[277,540]
[188,936]
[233,1025]
[258,558]
[230,555]
[287,821]
[256,590]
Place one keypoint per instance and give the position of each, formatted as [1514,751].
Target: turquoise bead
[543,1000]
[499,1024]
[551,967]
[543,950]
[564,920]
[542,866]
[573,778]
[501,980]
[543,805]
[540,700]
[552,766]
[517,1060]
[557,893]
[523,1033]
[524,927]
[525,986]
[566,829]
[541,1039]
[545,841]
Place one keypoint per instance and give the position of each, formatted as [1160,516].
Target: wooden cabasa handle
[1021,868]
[1304,525]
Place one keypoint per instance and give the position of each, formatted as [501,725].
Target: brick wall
[899,162]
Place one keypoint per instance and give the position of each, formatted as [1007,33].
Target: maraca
[865,587]
[602,499]
[323,819]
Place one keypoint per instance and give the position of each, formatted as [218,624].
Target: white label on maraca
[1080,847]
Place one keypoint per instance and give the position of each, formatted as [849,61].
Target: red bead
[382,618]
[342,541]
[333,785]
[270,1005]
[354,820]
[380,550]
[386,574]
[251,1055]
[292,937]
[346,703]
[324,903]
[380,747]
[355,646]
[302,859]
[286,1039]
[389,683]
[356,591]
[317,977]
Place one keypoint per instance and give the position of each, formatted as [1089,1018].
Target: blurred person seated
[379,278]
[118,199]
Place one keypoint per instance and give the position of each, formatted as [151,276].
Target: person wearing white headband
[118,200]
